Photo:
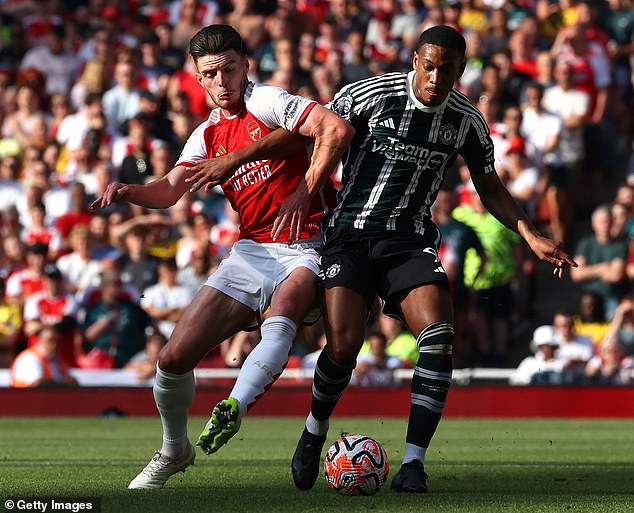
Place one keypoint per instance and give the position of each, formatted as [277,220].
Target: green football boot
[223,424]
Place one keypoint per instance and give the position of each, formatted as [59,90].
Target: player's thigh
[296,296]
[211,318]
[424,305]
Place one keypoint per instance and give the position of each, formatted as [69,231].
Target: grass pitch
[474,466]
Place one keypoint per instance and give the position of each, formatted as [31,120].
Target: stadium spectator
[121,102]
[521,177]
[590,320]
[23,123]
[138,268]
[544,367]
[144,362]
[78,215]
[621,329]
[60,66]
[40,231]
[39,365]
[610,366]
[601,261]
[10,186]
[574,350]
[55,307]
[113,326]
[542,131]
[79,267]
[492,282]
[165,302]
[400,344]
[375,367]
[10,328]
[195,274]
[25,282]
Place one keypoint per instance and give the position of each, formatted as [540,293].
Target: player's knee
[171,360]
[343,353]
[437,338]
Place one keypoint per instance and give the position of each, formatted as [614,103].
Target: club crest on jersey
[221,151]
[448,134]
[333,271]
[254,130]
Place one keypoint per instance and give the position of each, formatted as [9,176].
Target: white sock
[317,427]
[266,362]
[173,394]
[414,452]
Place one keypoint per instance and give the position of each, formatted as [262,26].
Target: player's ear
[415,60]
[462,67]
[246,64]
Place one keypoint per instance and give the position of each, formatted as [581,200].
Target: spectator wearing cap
[40,365]
[121,102]
[60,66]
[54,306]
[166,301]
[30,280]
[114,323]
[79,268]
[544,367]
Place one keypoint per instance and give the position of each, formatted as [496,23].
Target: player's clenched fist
[116,191]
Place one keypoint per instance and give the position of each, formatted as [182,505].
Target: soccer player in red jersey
[230,148]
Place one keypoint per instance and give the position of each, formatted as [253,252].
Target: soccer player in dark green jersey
[380,237]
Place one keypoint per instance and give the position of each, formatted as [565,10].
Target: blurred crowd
[97,90]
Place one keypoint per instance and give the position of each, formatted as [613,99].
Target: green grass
[474,466]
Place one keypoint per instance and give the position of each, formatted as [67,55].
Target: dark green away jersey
[397,160]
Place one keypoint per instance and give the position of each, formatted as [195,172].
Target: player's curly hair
[444,36]
[215,39]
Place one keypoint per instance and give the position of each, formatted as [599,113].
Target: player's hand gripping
[210,172]
[292,213]
[116,191]
[548,250]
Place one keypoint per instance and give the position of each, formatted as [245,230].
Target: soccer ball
[356,465]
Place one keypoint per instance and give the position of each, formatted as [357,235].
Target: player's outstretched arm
[332,135]
[499,202]
[162,193]
[212,172]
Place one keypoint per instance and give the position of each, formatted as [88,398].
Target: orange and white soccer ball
[356,465]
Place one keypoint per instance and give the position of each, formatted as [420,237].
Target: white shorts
[253,270]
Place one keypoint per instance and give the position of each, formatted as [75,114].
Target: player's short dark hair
[215,39]
[444,36]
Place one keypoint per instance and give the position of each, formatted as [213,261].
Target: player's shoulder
[388,83]
[262,95]
[462,105]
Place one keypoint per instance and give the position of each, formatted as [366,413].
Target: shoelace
[156,464]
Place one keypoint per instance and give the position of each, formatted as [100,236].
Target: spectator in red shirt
[78,215]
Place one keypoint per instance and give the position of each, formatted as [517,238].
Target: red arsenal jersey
[257,189]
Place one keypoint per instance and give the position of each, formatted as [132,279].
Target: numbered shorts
[383,263]
[253,270]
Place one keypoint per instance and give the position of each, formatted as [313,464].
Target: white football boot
[161,468]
